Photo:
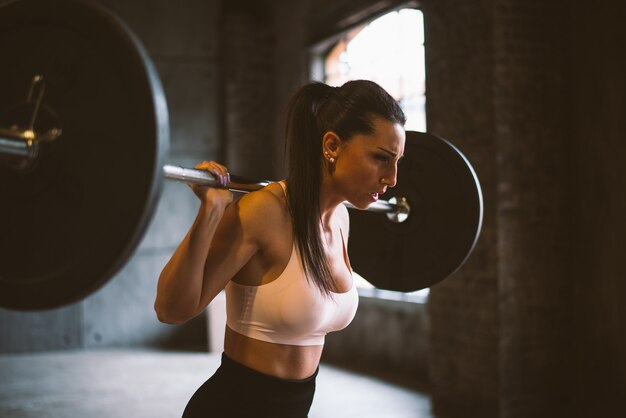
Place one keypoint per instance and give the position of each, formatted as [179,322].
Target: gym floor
[154,384]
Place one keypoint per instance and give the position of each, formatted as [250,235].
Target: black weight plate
[68,226]
[441,230]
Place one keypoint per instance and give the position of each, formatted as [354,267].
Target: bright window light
[389,51]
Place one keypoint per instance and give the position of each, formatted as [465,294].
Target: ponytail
[303,193]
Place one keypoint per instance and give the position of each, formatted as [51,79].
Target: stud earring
[330,159]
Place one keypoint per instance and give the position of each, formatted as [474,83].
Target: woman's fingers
[218,170]
[214,195]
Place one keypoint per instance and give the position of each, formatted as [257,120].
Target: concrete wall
[247,99]
[182,39]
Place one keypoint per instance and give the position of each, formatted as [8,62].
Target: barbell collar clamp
[401,211]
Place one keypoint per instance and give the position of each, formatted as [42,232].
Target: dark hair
[315,109]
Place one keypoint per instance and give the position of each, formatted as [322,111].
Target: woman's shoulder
[266,205]
[270,197]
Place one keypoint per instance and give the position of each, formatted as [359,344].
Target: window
[390,51]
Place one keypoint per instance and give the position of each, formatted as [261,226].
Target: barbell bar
[396,211]
[76,206]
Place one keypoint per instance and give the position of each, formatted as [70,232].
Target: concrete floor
[156,384]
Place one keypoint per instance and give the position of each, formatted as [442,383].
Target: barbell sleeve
[10,146]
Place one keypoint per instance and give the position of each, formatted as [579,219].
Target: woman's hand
[211,196]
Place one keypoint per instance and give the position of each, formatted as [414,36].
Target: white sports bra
[288,310]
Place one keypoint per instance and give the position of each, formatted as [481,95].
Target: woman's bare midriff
[280,360]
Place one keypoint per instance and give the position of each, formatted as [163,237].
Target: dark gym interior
[534,94]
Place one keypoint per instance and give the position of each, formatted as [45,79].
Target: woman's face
[367,164]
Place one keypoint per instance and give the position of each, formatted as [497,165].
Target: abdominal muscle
[279,360]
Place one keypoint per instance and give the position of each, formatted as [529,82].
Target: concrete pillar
[463,310]
[533,161]
[597,64]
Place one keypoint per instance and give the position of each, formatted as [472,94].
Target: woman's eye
[382,158]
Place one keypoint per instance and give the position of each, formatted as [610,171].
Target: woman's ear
[330,145]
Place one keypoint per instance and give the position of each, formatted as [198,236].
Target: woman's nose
[393,177]
[390,178]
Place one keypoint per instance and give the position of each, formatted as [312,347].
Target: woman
[281,252]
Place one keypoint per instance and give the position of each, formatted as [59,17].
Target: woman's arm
[209,255]
[181,281]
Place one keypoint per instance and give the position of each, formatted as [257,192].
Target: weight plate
[70,224]
[441,230]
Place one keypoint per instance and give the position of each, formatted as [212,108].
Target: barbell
[84,134]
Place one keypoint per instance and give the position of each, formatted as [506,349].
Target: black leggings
[237,391]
